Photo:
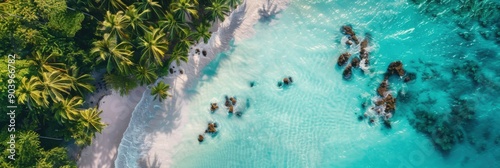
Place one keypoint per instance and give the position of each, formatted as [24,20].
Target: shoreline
[115,143]
[147,147]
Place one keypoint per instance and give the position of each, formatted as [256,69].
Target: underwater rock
[214,106]
[252,84]
[233,100]
[347,30]
[382,88]
[347,73]
[466,36]
[343,58]
[355,62]
[286,81]
[390,103]
[395,68]
[387,124]
[231,109]
[211,128]
[410,76]
[228,102]
[200,138]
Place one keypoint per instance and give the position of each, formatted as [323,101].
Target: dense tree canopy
[58,44]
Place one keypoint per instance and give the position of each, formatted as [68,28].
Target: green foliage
[67,22]
[218,9]
[122,83]
[154,47]
[160,91]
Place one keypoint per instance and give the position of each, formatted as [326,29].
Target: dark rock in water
[239,113]
[211,128]
[343,58]
[204,53]
[200,138]
[228,102]
[382,88]
[466,36]
[348,42]
[410,77]
[214,107]
[290,78]
[247,103]
[347,30]
[347,74]
[360,118]
[280,84]
[252,84]
[286,81]
[387,124]
[231,109]
[355,62]
[395,68]
[233,100]
[390,103]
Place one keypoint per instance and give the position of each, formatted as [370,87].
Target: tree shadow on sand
[150,163]
[268,12]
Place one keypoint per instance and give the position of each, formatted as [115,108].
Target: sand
[117,110]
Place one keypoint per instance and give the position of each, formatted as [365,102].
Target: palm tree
[185,41]
[123,83]
[160,91]
[202,32]
[88,123]
[91,120]
[183,8]
[150,5]
[53,85]
[218,10]
[117,56]
[80,82]
[173,26]
[179,54]
[45,63]
[112,5]
[233,3]
[67,109]
[137,19]
[154,46]
[29,92]
[116,24]
[145,75]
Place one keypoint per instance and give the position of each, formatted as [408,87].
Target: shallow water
[314,122]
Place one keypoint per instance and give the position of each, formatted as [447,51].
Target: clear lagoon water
[314,122]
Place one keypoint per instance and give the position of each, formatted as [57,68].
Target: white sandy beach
[117,110]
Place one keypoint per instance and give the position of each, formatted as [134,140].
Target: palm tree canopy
[54,84]
[91,120]
[202,32]
[145,75]
[80,82]
[183,8]
[154,46]
[152,6]
[179,54]
[44,63]
[29,92]
[67,109]
[112,5]
[137,19]
[117,56]
[116,24]
[160,91]
[218,9]
[173,26]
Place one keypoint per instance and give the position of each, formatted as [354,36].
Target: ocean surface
[317,120]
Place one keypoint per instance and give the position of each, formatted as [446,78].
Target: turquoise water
[314,122]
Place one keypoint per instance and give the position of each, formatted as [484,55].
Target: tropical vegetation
[59,44]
